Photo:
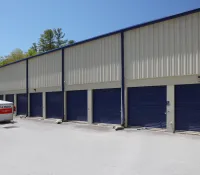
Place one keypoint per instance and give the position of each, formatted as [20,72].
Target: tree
[15,55]
[50,39]
[31,52]
[59,35]
[71,42]
[34,47]
[1,60]
[47,41]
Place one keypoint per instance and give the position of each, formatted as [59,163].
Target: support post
[90,106]
[126,106]
[27,96]
[170,113]
[15,103]
[28,105]
[122,81]
[44,105]
[65,106]
[63,82]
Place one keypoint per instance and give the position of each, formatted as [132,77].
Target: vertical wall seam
[122,81]
[63,80]
[27,96]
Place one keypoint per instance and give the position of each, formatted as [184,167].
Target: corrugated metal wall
[45,70]
[13,77]
[170,48]
[94,62]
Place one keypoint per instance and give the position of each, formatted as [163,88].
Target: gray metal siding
[45,70]
[97,61]
[169,48]
[13,77]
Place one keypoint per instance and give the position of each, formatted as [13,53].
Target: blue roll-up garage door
[36,105]
[54,105]
[147,106]
[1,97]
[187,107]
[22,104]
[107,106]
[77,105]
[10,98]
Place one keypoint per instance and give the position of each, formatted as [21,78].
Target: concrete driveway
[38,148]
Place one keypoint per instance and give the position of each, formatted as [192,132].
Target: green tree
[31,52]
[1,60]
[71,42]
[59,38]
[51,39]
[47,41]
[34,47]
[15,55]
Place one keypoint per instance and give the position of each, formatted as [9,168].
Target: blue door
[187,107]
[36,105]
[22,104]
[54,105]
[107,106]
[147,106]
[77,105]
[1,97]
[10,98]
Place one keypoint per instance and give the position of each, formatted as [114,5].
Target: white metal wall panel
[13,77]
[169,48]
[45,70]
[96,61]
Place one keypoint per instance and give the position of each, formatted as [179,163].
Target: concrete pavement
[37,148]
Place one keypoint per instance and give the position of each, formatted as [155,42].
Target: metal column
[90,106]
[170,109]
[122,81]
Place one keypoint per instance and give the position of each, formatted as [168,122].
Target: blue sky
[22,21]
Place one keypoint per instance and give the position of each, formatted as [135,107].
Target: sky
[22,21]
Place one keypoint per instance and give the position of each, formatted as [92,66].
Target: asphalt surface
[38,148]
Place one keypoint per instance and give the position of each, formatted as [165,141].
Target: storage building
[145,75]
